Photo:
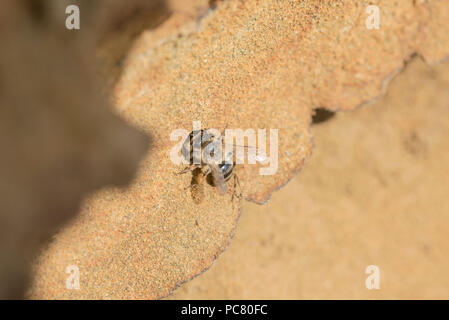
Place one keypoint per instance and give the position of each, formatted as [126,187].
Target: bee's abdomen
[226,169]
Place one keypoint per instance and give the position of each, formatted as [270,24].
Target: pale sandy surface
[246,64]
[374,192]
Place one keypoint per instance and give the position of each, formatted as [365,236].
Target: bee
[216,172]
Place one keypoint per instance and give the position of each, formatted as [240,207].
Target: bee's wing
[219,181]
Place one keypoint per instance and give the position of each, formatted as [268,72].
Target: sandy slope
[374,192]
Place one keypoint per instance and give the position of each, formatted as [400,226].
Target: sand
[252,64]
[373,193]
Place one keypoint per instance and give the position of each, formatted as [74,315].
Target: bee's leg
[236,194]
[205,170]
[188,169]
[189,186]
